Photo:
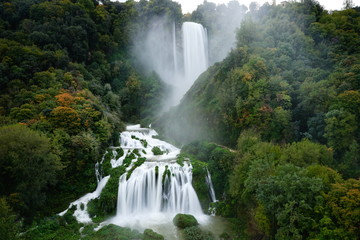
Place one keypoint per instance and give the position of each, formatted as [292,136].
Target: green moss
[138,163]
[106,167]
[156,172]
[106,204]
[134,137]
[144,142]
[151,235]
[128,159]
[199,183]
[108,155]
[136,152]
[120,152]
[180,160]
[185,220]
[157,151]
[167,173]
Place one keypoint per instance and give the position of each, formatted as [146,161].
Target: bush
[185,220]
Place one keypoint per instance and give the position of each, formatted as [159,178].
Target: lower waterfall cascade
[157,189]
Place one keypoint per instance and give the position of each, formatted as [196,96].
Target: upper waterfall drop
[195,60]
[177,56]
[195,51]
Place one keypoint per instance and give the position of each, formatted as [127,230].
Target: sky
[190,5]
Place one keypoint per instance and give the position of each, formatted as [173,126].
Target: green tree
[289,198]
[27,166]
[306,153]
[340,129]
[341,215]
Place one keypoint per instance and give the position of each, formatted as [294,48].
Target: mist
[177,54]
[221,22]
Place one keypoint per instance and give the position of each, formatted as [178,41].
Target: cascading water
[210,185]
[195,45]
[151,190]
[158,51]
[174,49]
[159,188]
[195,59]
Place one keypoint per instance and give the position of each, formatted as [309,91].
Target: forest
[275,120]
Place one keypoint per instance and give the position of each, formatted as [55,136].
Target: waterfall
[146,191]
[174,49]
[159,188]
[157,50]
[153,189]
[210,185]
[195,45]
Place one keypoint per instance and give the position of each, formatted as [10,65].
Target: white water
[175,49]
[178,66]
[210,185]
[195,45]
[150,198]
[195,59]
[81,213]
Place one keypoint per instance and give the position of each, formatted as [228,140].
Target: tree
[340,129]
[289,198]
[9,225]
[305,153]
[341,216]
[27,166]
[67,118]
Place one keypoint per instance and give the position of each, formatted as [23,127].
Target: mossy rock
[185,220]
[151,235]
